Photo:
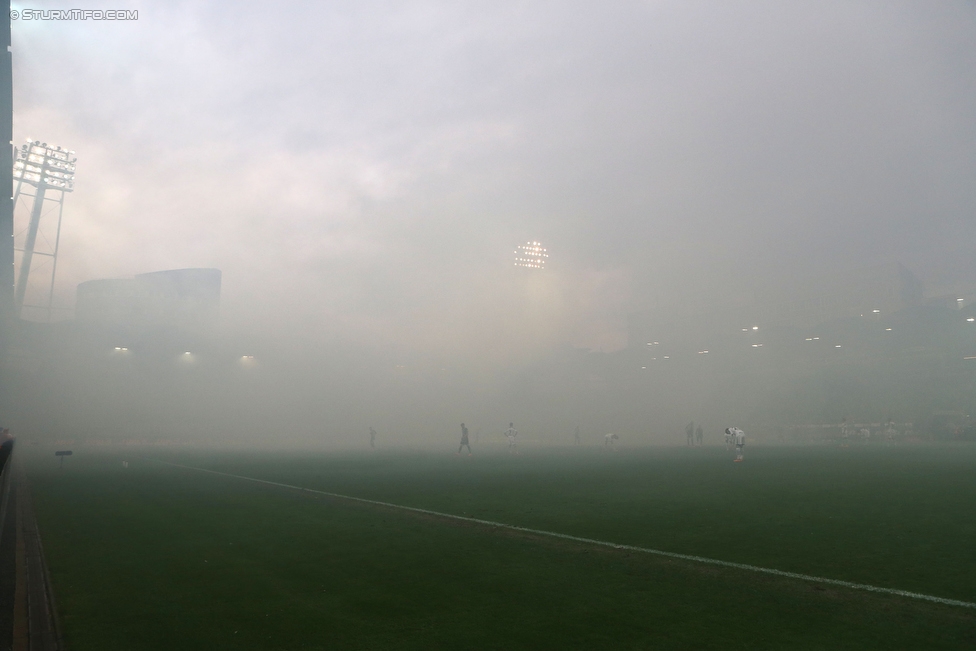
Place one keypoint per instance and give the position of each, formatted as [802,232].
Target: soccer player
[740,443]
[690,433]
[609,439]
[729,438]
[699,435]
[511,433]
[464,440]
[372,438]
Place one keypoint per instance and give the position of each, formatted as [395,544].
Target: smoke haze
[361,173]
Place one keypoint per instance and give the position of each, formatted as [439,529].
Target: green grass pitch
[155,557]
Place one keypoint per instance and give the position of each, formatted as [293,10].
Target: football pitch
[155,556]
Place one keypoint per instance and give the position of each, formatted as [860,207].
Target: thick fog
[361,173]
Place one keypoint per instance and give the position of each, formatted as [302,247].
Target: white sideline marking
[602,543]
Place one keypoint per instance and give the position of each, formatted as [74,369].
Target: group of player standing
[511,434]
[735,437]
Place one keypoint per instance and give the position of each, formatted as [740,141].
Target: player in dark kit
[464,440]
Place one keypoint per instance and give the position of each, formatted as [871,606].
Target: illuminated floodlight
[887,329]
[46,166]
[971,319]
[531,255]
[876,311]
[187,353]
[702,352]
[757,345]
[837,346]
[643,367]
[122,349]
[666,357]
[755,327]
[809,339]
[973,357]
[960,300]
[816,338]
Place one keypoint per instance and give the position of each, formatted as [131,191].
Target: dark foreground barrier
[8,545]
[6,449]
[28,619]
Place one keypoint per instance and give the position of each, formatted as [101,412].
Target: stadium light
[531,255]
[876,311]
[837,346]
[971,319]
[887,329]
[40,165]
[46,168]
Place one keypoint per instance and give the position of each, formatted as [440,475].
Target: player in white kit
[740,443]
[511,433]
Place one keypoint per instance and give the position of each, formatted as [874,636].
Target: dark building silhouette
[183,299]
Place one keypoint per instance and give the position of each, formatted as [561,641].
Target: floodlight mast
[45,168]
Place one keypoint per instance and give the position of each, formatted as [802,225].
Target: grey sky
[363,170]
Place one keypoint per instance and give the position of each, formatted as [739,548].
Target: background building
[183,299]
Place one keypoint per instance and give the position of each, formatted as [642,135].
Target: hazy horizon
[362,172]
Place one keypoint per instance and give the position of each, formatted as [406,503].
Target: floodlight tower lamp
[531,255]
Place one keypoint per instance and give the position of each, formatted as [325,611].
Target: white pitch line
[602,543]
